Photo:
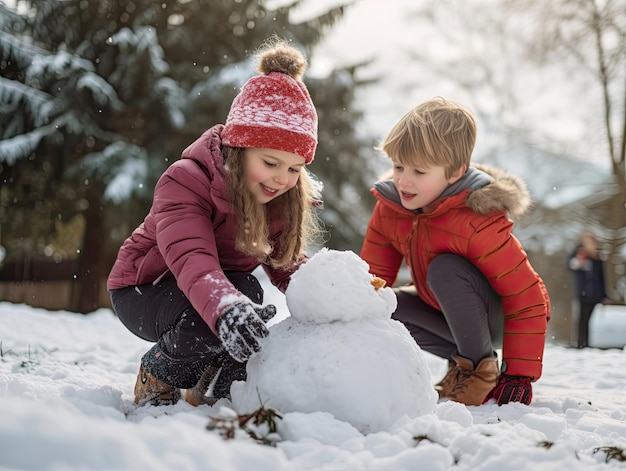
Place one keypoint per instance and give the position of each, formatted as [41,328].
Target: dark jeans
[185,345]
[471,321]
[586,309]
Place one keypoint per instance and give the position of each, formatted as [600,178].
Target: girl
[240,197]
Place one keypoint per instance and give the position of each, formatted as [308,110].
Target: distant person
[588,269]
[473,287]
[239,198]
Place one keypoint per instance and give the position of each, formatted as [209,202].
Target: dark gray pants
[584,317]
[471,321]
[185,345]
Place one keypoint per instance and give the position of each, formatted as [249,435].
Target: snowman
[339,351]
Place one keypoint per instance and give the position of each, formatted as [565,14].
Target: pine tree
[345,162]
[99,97]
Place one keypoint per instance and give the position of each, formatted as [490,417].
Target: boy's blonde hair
[436,133]
[296,206]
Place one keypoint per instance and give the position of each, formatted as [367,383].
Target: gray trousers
[471,321]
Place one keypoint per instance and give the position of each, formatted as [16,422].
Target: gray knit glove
[241,328]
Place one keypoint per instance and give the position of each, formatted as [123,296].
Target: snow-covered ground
[66,391]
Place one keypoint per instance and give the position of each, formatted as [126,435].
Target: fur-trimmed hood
[491,190]
[506,192]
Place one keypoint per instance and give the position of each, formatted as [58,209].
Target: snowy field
[66,403]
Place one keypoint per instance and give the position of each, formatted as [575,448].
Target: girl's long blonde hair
[296,206]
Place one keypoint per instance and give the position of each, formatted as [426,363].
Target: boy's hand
[241,328]
[511,389]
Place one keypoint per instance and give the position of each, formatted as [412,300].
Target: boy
[473,289]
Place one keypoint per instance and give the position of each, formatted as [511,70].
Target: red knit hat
[274,110]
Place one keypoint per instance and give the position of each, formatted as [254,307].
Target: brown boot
[148,389]
[444,387]
[471,385]
[197,395]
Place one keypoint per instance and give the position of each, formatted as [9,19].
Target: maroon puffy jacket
[190,233]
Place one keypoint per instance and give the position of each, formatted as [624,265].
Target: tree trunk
[86,298]
[616,223]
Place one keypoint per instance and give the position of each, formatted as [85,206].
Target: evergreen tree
[99,97]
[345,162]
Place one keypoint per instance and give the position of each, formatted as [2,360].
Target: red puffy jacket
[474,225]
[190,233]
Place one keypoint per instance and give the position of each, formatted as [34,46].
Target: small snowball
[337,286]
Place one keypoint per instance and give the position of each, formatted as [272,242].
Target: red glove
[511,389]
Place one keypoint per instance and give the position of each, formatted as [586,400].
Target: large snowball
[351,360]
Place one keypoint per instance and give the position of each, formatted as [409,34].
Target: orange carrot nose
[378,283]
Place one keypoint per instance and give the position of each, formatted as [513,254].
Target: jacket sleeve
[186,239]
[377,250]
[525,302]
[572,261]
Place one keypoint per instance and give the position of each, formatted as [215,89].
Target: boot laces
[461,381]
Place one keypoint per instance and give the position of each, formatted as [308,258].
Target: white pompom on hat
[274,110]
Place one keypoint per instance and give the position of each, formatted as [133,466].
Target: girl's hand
[241,328]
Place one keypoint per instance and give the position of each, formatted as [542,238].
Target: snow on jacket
[190,233]
[470,219]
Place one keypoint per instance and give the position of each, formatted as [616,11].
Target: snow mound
[340,352]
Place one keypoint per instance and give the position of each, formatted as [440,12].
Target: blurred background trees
[547,81]
[588,39]
[98,97]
